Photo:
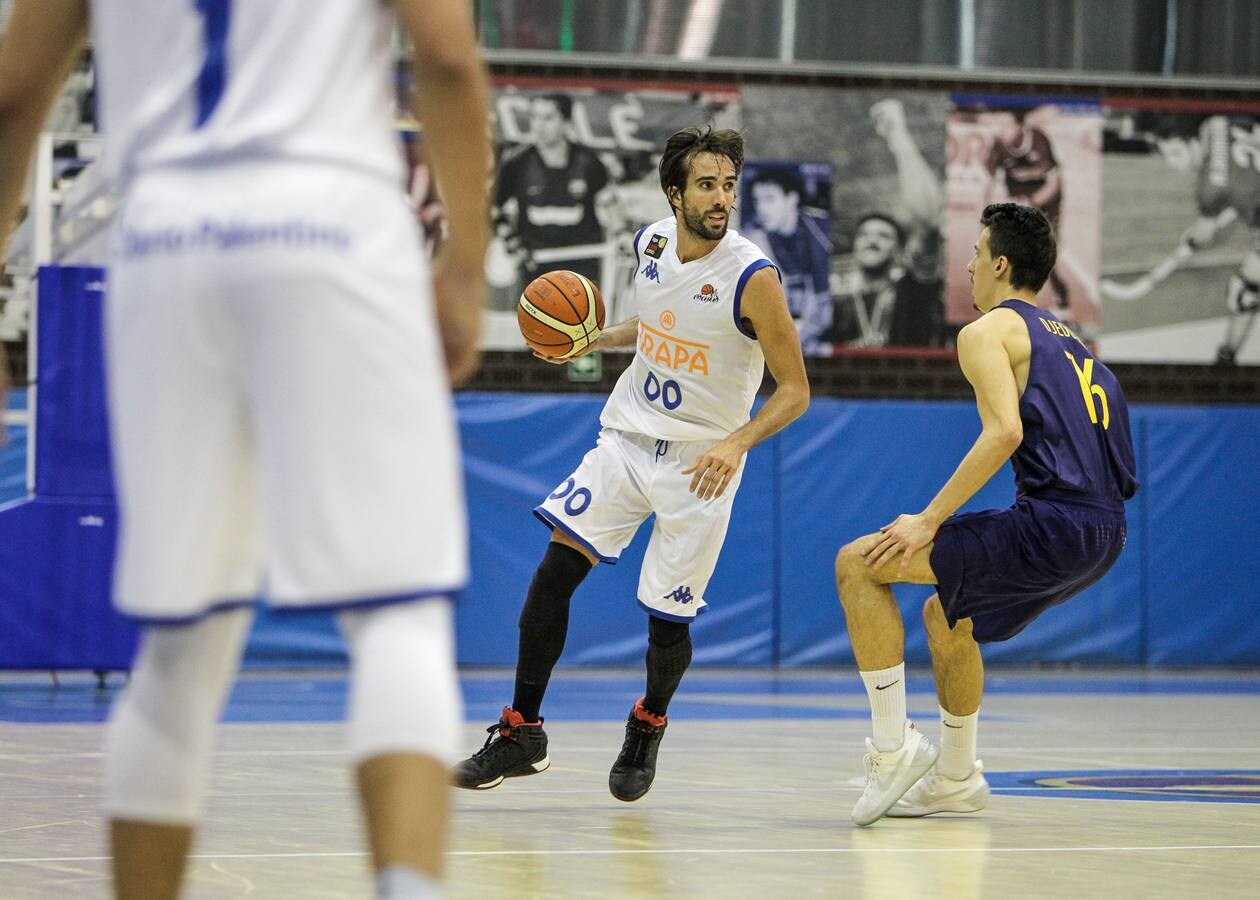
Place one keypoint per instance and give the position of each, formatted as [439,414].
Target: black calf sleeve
[668,656]
[544,624]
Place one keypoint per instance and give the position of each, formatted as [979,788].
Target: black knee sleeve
[544,621]
[668,656]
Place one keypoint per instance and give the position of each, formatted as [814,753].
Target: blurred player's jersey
[1230,174]
[1075,417]
[697,367]
[201,82]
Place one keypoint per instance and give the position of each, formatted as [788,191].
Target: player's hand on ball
[576,354]
[714,469]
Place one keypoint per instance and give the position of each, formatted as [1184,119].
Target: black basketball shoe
[632,773]
[515,748]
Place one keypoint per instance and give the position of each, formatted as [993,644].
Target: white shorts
[628,477]
[281,420]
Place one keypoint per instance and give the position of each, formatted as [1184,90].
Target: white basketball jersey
[697,369]
[191,82]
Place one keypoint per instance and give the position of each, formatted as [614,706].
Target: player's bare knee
[851,561]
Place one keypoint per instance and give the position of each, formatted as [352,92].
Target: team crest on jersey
[655,246]
[707,294]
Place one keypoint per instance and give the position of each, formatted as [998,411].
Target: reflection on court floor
[756,778]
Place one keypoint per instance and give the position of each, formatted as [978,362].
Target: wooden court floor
[1106,784]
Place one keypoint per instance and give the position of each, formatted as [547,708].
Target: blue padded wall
[1184,592]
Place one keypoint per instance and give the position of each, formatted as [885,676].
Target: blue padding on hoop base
[57,548]
[56,558]
[72,450]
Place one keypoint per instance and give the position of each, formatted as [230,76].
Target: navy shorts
[1002,568]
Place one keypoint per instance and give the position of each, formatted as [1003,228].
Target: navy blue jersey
[1075,417]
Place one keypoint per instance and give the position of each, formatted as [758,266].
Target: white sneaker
[890,773]
[934,793]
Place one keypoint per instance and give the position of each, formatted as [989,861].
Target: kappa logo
[707,294]
[680,594]
[655,246]
[651,272]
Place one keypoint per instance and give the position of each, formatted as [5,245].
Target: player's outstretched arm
[986,362]
[766,309]
[450,101]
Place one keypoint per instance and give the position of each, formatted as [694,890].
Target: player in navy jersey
[1060,416]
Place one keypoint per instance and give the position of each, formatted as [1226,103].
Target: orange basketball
[560,313]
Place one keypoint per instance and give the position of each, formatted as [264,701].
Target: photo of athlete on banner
[885,287]
[576,176]
[1037,152]
[787,213]
[1181,236]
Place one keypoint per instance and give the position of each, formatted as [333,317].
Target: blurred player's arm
[765,307]
[450,103]
[986,362]
[920,189]
[39,49]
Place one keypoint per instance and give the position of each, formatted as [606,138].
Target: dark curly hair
[682,147]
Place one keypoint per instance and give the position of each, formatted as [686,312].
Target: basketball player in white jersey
[674,434]
[279,360]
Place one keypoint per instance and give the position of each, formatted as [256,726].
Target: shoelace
[491,744]
[641,733]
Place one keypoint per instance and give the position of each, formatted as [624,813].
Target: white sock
[886,689]
[958,745]
[404,883]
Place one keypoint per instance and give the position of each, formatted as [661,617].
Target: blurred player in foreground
[1061,418]
[262,225]
[675,432]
